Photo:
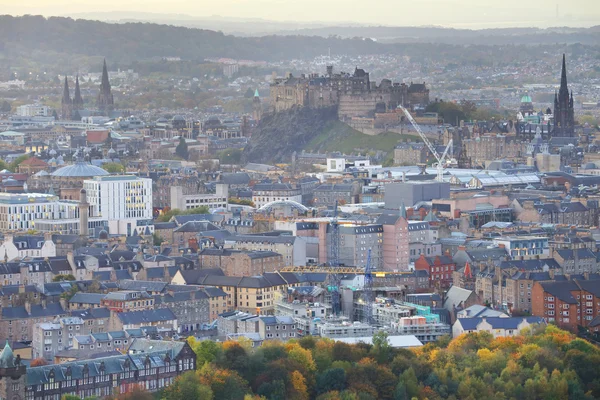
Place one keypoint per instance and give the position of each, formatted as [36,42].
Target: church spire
[77,99]
[105,100]
[105,84]
[66,103]
[66,95]
[563,76]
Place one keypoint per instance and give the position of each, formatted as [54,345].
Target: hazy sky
[466,13]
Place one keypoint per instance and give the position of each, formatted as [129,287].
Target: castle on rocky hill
[354,94]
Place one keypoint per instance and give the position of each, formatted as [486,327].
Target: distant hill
[58,41]
[24,36]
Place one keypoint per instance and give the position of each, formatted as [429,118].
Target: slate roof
[149,286]
[196,276]
[511,323]
[182,219]
[146,316]
[570,254]
[197,226]
[165,225]
[531,265]
[37,311]
[153,351]
[87,298]
[589,286]
[236,178]
[561,290]
[91,313]
[456,296]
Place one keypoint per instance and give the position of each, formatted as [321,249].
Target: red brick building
[440,269]
[567,303]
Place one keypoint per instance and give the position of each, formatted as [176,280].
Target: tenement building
[149,364]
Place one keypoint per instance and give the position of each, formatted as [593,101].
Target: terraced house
[149,364]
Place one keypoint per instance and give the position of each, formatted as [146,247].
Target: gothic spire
[105,99]
[105,84]
[77,99]
[563,91]
[66,99]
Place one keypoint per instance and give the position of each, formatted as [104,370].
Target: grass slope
[337,136]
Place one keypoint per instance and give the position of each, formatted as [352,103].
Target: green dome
[526,99]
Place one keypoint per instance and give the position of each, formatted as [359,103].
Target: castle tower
[66,103]
[564,116]
[256,107]
[77,99]
[84,209]
[105,101]
[12,375]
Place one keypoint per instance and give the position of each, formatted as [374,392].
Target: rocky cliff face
[279,135]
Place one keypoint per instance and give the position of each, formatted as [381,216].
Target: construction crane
[440,160]
[367,297]
[334,280]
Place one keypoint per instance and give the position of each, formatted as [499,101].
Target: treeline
[48,41]
[545,364]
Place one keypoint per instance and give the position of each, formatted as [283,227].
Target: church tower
[105,100]
[77,99]
[256,107]
[12,375]
[66,103]
[564,117]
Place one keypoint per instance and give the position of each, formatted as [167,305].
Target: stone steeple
[66,102]
[256,107]
[105,101]
[77,99]
[564,116]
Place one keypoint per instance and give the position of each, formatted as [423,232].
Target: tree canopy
[165,217]
[113,167]
[546,363]
[182,149]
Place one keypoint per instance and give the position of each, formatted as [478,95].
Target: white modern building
[32,110]
[120,204]
[189,201]
[21,211]
[124,201]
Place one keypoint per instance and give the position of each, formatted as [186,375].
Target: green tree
[171,213]
[113,168]
[182,149]
[381,347]
[230,156]
[60,278]
[207,351]
[188,387]
[331,380]
[16,162]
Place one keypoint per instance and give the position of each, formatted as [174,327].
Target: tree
[70,293]
[249,93]
[175,211]
[137,393]
[331,380]
[60,278]
[113,168]
[182,149]
[298,383]
[207,351]
[188,386]
[381,347]
[14,165]
[38,362]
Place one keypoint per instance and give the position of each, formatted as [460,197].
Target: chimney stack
[84,209]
